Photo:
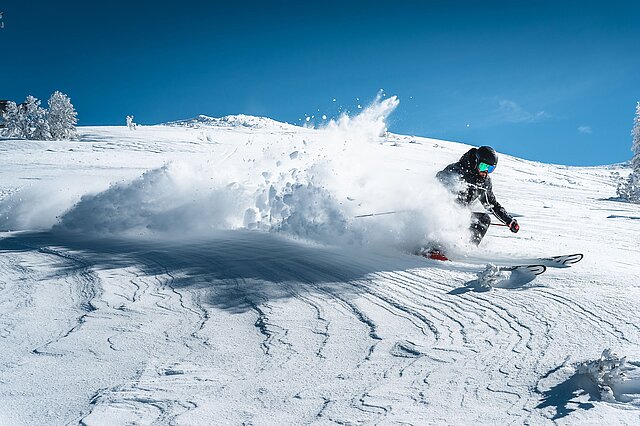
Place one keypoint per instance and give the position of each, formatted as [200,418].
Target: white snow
[616,379]
[213,271]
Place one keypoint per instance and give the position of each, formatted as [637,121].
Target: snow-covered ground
[214,272]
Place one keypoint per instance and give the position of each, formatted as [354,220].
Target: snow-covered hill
[232,121]
[214,271]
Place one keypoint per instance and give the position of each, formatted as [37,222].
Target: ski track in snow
[249,327]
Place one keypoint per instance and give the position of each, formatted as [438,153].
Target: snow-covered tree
[14,121]
[635,147]
[35,118]
[62,117]
[629,189]
[130,124]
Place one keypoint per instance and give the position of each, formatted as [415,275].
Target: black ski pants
[479,225]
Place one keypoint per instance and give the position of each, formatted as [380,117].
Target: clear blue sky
[555,81]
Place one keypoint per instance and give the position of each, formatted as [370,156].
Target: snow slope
[213,271]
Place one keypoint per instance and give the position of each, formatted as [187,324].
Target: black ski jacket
[462,177]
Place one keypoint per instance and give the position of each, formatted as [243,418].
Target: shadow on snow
[237,269]
[565,395]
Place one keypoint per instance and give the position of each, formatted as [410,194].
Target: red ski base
[435,255]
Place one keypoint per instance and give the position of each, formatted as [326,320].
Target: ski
[561,261]
[533,269]
[535,266]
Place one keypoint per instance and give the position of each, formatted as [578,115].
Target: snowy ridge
[232,121]
[153,277]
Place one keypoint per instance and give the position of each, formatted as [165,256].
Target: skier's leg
[479,224]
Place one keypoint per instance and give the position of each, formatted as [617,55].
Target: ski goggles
[484,167]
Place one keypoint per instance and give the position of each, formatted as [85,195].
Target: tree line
[629,188]
[29,120]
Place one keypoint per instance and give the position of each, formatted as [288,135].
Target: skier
[469,179]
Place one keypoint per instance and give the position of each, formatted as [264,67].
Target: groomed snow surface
[213,271]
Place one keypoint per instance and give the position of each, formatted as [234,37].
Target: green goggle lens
[484,167]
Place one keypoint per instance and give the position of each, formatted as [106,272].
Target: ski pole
[498,224]
[381,214]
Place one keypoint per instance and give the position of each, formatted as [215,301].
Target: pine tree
[62,117]
[629,189]
[35,118]
[14,121]
[635,147]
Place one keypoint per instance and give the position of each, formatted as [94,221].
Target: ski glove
[513,226]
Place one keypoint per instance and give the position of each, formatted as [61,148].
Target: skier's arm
[490,202]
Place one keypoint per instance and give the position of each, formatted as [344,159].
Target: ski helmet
[486,154]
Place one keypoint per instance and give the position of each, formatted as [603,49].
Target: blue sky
[549,81]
